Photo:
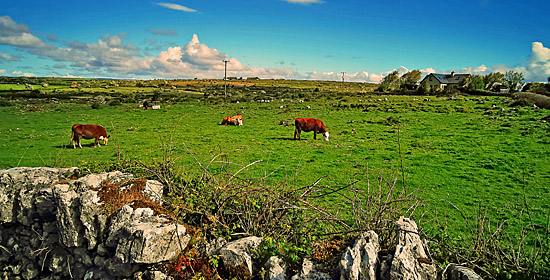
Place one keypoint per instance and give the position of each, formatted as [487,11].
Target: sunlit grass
[452,150]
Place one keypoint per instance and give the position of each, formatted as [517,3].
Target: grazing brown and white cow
[235,120]
[309,124]
[88,131]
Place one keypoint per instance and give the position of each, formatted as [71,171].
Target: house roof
[449,78]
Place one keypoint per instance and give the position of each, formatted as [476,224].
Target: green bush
[522,103]
[5,103]
[541,101]
[115,102]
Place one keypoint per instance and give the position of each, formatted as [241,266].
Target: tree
[474,82]
[409,79]
[390,82]
[493,80]
[514,80]
[424,88]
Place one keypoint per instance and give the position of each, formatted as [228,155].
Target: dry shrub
[298,221]
[328,251]
[370,202]
[492,249]
[114,196]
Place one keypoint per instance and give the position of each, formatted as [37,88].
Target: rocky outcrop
[237,258]
[458,272]
[275,269]
[54,226]
[309,272]
[361,261]
[410,260]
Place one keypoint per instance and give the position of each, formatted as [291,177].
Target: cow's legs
[76,139]
[297,131]
[72,139]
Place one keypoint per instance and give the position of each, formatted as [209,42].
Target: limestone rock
[409,261]
[275,269]
[140,237]
[27,180]
[93,181]
[68,221]
[214,246]
[361,261]
[457,272]
[154,189]
[236,255]
[309,273]
[92,217]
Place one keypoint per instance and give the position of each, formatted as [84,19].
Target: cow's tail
[72,137]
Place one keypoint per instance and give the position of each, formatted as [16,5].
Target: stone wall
[53,225]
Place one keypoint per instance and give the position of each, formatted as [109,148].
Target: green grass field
[453,150]
[450,149]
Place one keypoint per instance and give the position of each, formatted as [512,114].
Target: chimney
[453,73]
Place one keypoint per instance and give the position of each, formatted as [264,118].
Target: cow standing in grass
[309,124]
[235,120]
[88,131]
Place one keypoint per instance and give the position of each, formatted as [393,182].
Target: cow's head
[105,139]
[326,135]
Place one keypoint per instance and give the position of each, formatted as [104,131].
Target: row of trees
[512,80]
[408,81]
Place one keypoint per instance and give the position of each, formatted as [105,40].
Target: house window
[457,78]
[430,79]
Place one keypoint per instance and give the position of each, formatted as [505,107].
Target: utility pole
[343,73]
[225,61]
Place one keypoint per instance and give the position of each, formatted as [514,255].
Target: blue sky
[292,39]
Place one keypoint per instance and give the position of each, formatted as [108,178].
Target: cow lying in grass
[309,124]
[235,120]
[88,131]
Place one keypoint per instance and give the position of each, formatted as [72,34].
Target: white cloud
[428,70]
[8,57]
[176,7]
[538,64]
[361,76]
[2,70]
[539,52]
[19,73]
[17,35]
[202,56]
